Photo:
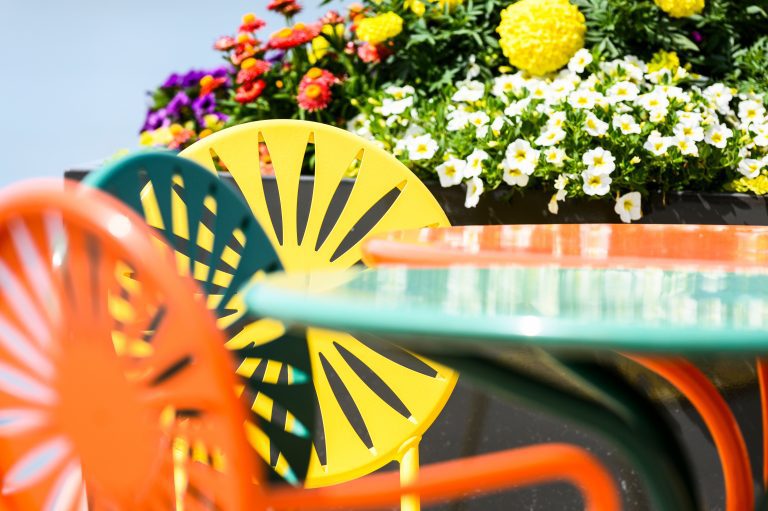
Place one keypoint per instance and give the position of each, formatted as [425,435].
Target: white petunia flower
[720,96]
[507,84]
[400,92]
[457,120]
[513,177]
[515,109]
[657,115]
[559,89]
[751,167]
[469,91]
[582,98]
[550,137]
[580,60]
[537,89]
[391,107]
[521,156]
[556,120]
[656,144]
[628,207]
[596,184]
[687,146]
[555,156]
[474,165]
[595,126]
[451,172]
[751,112]
[626,124]
[690,118]
[718,136]
[560,183]
[622,91]
[690,131]
[478,119]
[474,191]
[552,206]
[422,147]
[497,124]
[599,161]
[761,134]
[655,100]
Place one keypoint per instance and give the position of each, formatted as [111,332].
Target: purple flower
[220,72]
[192,78]
[273,56]
[156,119]
[203,106]
[172,81]
[179,101]
[697,37]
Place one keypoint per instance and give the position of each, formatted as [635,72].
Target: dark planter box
[504,207]
[474,422]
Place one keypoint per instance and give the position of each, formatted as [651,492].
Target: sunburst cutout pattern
[371,402]
[220,245]
[94,381]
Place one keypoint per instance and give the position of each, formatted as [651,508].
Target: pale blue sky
[73,74]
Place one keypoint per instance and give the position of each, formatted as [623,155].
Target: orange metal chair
[113,386]
[116,393]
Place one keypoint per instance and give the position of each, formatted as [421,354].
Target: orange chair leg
[762,377]
[478,474]
[739,492]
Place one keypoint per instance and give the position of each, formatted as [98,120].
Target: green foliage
[712,41]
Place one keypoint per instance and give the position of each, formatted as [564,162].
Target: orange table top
[709,247]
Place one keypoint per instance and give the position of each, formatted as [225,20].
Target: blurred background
[74,74]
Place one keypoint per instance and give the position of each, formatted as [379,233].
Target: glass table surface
[642,310]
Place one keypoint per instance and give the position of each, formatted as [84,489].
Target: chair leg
[722,425]
[409,474]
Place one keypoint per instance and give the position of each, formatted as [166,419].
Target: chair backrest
[375,403]
[112,383]
[219,243]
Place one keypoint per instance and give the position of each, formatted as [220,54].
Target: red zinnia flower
[371,53]
[332,18]
[284,7]
[252,69]
[250,91]
[317,76]
[292,37]
[314,97]
[251,23]
[209,84]
[242,54]
[224,43]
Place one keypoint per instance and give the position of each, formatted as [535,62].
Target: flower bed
[548,98]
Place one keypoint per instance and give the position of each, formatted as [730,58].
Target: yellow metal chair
[374,404]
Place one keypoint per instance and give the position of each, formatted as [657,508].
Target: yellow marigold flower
[541,36]
[451,4]
[664,60]
[680,8]
[146,138]
[758,185]
[418,8]
[321,44]
[379,28]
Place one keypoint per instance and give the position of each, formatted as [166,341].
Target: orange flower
[251,69]
[292,37]
[315,75]
[209,84]
[314,97]
[251,23]
[250,91]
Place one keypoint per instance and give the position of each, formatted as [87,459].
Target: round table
[470,318]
